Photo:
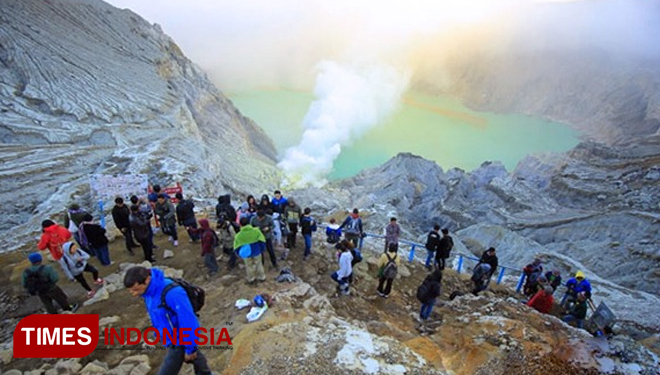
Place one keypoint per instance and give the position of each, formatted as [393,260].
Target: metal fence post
[499,278]
[520,282]
[460,263]
[102,214]
[412,254]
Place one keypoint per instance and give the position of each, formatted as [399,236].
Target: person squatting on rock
[428,292]
[307,227]
[444,249]
[97,242]
[388,266]
[265,224]
[41,280]
[554,279]
[532,272]
[120,215]
[343,274]
[432,242]
[354,229]
[209,241]
[575,286]
[165,211]
[74,262]
[489,257]
[185,216]
[480,277]
[578,311]
[53,237]
[542,300]
[177,313]
[250,244]
[392,233]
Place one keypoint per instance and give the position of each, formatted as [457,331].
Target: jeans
[277,231]
[210,262]
[388,285]
[343,282]
[426,310]
[308,244]
[271,252]
[170,229]
[128,238]
[102,254]
[572,318]
[174,360]
[430,258]
[354,238]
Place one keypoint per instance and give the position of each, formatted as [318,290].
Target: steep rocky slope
[88,88]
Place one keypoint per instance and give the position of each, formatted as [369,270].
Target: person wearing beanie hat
[41,280]
[53,236]
[209,241]
[74,263]
[574,286]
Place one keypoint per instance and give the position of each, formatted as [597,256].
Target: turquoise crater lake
[435,127]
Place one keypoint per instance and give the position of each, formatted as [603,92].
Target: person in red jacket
[209,241]
[53,237]
[542,300]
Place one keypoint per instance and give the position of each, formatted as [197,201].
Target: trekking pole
[591,304]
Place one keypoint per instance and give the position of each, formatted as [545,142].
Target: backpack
[84,242]
[357,255]
[333,237]
[353,226]
[196,295]
[36,282]
[424,292]
[390,269]
[216,240]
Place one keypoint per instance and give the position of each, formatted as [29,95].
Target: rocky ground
[309,329]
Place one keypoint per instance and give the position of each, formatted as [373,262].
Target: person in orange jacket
[53,237]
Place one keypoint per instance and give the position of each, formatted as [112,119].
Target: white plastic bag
[256,313]
[242,303]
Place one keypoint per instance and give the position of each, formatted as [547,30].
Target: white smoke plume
[350,100]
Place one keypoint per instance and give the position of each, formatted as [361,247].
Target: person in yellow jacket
[388,266]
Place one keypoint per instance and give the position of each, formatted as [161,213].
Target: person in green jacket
[577,312]
[250,243]
[41,280]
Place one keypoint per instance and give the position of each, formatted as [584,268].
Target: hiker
[185,216]
[343,274]
[578,311]
[177,313]
[209,241]
[355,253]
[332,232]
[141,225]
[164,210]
[224,210]
[554,279]
[53,237]
[93,236]
[252,205]
[41,280]
[388,265]
[428,292]
[432,242]
[489,257]
[292,213]
[278,204]
[265,224]
[574,286]
[392,232]
[542,300]
[74,216]
[120,215]
[155,192]
[307,227]
[480,277]
[146,211]
[532,272]
[74,263]
[265,205]
[226,234]
[354,229]
[250,243]
[445,246]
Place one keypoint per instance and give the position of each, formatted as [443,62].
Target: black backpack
[390,269]
[196,295]
[424,292]
[36,281]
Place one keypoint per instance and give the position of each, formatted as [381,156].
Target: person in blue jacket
[575,286]
[149,284]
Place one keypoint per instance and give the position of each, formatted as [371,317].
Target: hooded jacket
[207,237]
[253,237]
[53,238]
[73,264]
[347,223]
[177,300]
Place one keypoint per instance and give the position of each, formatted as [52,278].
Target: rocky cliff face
[88,88]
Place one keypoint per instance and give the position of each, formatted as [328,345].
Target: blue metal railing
[461,257]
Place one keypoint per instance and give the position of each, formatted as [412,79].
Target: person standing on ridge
[432,242]
[176,314]
[444,249]
[278,204]
[392,233]
[388,265]
[292,213]
[120,215]
[307,227]
[354,229]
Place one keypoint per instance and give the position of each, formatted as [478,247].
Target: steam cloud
[351,100]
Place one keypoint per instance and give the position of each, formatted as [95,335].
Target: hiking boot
[380,294]
[176,243]
[99,281]
[73,308]
[91,293]
[170,238]
[346,292]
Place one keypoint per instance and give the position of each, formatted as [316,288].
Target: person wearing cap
[97,241]
[264,222]
[165,211]
[74,263]
[542,300]
[53,237]
[578,312]
[46,287]
[574,286]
